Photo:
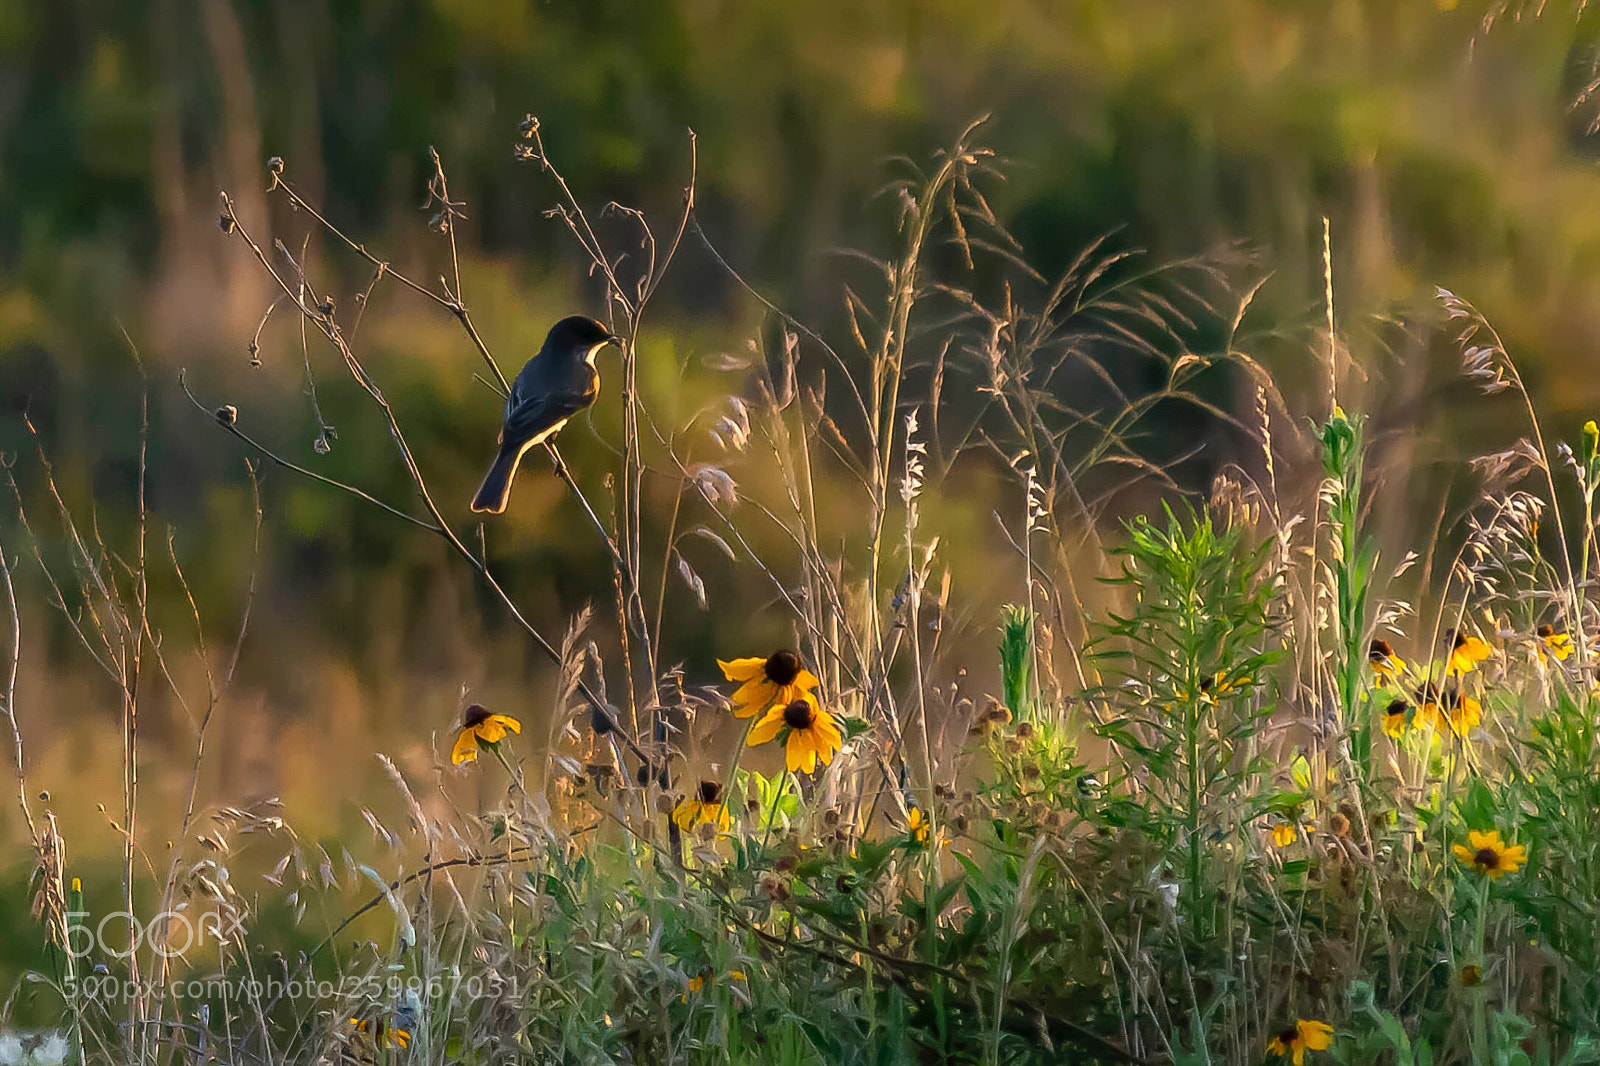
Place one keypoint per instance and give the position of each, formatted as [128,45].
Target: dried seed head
[227,415]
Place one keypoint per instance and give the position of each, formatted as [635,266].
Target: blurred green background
[1447,143]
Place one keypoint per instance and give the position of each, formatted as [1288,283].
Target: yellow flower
[1464,713]
[1283,834]
[1466,653]
[382,1032]
[1552,643]
[1452,708]
[1222,685]
[778,679]
[1385,663]
[1488,854]
[704,806]
[480,727]
[706,977]
[917,825]
[1471,975]
[1299,1038]
[1394,718]
[812,732]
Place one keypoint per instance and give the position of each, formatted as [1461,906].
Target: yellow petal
[743,669]
[1462,852]
[824,750]
[753,697]
[767,728]
[490,731]
[685,813]
[505,721]
[466,748]
[801,756]
[806,680]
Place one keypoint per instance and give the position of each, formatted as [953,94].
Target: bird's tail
[496,488]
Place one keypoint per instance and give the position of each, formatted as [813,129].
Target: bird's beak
[612,338]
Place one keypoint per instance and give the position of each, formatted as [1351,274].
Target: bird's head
[580,337]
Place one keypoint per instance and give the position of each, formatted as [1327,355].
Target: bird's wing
[539,414]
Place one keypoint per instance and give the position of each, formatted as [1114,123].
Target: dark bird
[554,385]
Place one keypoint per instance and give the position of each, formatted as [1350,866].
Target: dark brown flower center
[782,667]
[475,715]
[1395,708]
[1289,1035]
[1380,651]
[1459,640]
[710,792]
[799,715]
[1488,858]
[1546,631]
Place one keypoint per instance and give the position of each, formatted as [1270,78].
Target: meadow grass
[1232,800]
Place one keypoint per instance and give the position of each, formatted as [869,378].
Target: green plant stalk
[1480,1021]
[1343,451]
[1193,714]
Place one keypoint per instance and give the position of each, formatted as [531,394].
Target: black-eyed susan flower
[707,977]
[1394,718]
[1385,663]
[1299,1038]
[1466,652]
[778,679]
[1550,643]
[703,807]
[382,1033]
[811,731]
[1450,708]
[1488,854]
[1221,685]
[917,825]
[478,726]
